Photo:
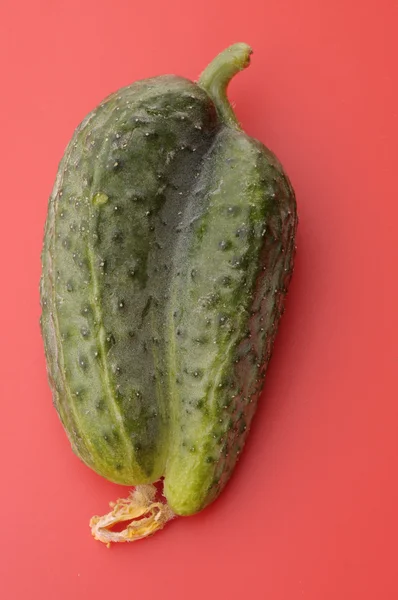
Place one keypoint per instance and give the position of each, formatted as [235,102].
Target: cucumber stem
[144,515]
[216,77]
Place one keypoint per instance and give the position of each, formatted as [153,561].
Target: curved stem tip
[216,77]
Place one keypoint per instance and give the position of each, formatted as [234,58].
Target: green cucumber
[168,251]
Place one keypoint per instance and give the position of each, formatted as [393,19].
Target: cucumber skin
[233,268]
[107,251]
[129,285]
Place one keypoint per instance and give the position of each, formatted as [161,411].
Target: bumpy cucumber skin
[168,251]
[106,260]
[231,273]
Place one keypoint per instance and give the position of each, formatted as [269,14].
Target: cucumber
[230,274]
[168,250]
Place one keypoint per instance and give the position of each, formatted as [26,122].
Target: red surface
[311,511]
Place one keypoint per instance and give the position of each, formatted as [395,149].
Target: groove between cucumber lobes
[168,251]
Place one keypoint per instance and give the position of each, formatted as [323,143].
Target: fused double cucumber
[168,250]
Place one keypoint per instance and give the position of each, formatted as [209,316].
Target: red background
[311,511]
